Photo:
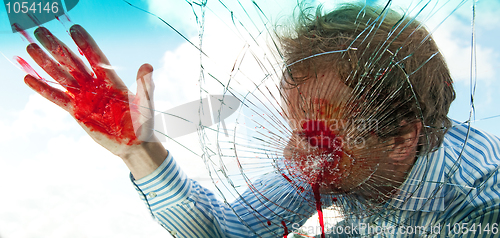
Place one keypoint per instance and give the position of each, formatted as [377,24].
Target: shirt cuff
[166,186]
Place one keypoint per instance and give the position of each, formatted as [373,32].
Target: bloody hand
[97,98]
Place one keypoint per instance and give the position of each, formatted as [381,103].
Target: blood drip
[286,177]
[285,232]
[317,198]
[300,188]
[321,166]
[23,32]
[268,222]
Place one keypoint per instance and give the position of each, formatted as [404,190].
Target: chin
[336,172]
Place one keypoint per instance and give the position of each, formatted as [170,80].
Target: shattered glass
[259,113]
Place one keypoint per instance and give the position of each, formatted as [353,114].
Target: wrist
[144,158]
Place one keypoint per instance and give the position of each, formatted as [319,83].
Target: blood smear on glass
[23,33]
[26,67]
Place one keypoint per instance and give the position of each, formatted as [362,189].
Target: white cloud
[74,188]
[38,115]
[457,52]
[63,184]
[486,13]
[178,14]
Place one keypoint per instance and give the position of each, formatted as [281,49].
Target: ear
[405,144]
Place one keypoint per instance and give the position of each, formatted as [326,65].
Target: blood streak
[23,32]
[26,67]
[317,198]
[300,188]
[64,21]
[286,177]
[285,232]
[328,156]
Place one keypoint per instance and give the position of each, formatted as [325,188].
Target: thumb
[145,86]
[142,105]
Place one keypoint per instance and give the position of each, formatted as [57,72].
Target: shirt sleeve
[186,209]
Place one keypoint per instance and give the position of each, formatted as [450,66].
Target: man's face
[333,142]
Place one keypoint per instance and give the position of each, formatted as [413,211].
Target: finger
[98,61]
[52,94]
[63,55]
[145,86]
[52,67]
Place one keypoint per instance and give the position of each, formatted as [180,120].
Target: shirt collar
[435,177]
[424,189]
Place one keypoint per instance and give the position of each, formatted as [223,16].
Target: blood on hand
[105,109]
[97,99]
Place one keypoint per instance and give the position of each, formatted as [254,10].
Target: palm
[96,98]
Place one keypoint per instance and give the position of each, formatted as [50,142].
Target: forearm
[144,158]
[185,208]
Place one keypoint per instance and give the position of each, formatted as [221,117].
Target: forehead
[321,96]
[325,86]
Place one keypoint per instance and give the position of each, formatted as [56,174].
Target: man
[351,65]
[417,170]
[370,64]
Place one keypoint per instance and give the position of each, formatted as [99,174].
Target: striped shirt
[451,192]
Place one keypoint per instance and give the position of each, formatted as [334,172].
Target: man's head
[376,80]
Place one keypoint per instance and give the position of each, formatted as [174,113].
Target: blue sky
[61,184]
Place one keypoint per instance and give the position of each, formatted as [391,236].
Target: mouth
[320,156]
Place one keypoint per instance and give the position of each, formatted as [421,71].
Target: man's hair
[390,61]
